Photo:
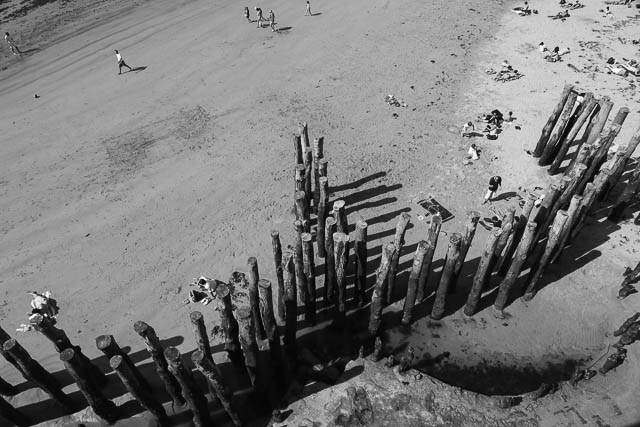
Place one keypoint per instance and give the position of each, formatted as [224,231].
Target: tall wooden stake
[565,233]
[291,308]
[432,239]
[398,242]
[379,289]
[453,253]
[330,262]
[190,390]
[254,301]
[309,271]
[317,154]
[322,215]
[626,197]
[598,120]
[482,273]
[341,243]
[229,324]
[270,327]
[301,278]
[360,261]
[279,290]
[249,345]
[514,240]
[551,148]
[553,118]
[109,347]
[412,286]
[469,231]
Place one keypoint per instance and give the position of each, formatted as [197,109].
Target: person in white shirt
[12,44]
[260,18]
[308,11]
[542,47]
[465,129]
[121,63]
[473,152]
[272,20]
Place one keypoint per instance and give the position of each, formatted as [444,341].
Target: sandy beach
[117,190]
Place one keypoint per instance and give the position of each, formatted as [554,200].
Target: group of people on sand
[272,16]
[555,55]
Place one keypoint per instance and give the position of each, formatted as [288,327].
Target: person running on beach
[246,14]
[494,183]
[121,62]
[260,18]
[12,44]
[308,11]
[272,20]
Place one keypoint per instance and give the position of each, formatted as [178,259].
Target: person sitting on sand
[473,152]
[560,15]
[607,13]
[542,47]
[465,129]
[246,14]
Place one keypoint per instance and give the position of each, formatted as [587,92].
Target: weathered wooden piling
[482,273]
[515,267]
[340,215]
[469,232]
[308,177]
[553,118]
[360,262]
[507,231]
[598,156]
[200,333]
[37,374]
[304,135]
[11,414]
[291,308]
[90,389]
[626,197]
[270,327]
[302,210]
[300,184]
[328,294]
[61,342]
[518,230]
[621,116]
[552,146]
[412,286]
[4,337]
[109,347]
[253,276]
[379,289]
[432,239]
[341,244]
[249,345]
[600,185]
[229,324]
[633,143]
[279,290]
[323,166]
[156,351]
[143,395]
[297,149]
[224,394]
[301,278]
[317,154]
[598,120]
[453,253]
[620,160]
[565,233]
[193,395]
[398,242]
[539,267]
[586,108]
[309,269]
[322,216]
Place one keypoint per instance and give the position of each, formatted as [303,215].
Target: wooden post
[322,215]
[291,308]
[600,185]
[341,243]
[482,273]
[598,120]
[270,327]
[11,414]
[302,209]
[308,177]
[301,279]
[550,198]
[304,135]
[503,240]
[379,290]
[90,389]
[317,154]
[37,374]
[200,333]
[360,261]
[249,345]
[323,163]
[598,156]
[572,214]
[621,115]
[432,239]
[107,344]
[626,197]
[309,272]
[453,253]
[587,200]
[61,342]
[582,156]
[398,242]
[586,108]
[469,231]
[553,118]
[229,324]
[277,259]
[254,300]
[539,267]
[297,147]
[341,217]
[210,371]
[551,147]
[330,262]
[412,286]
[299,181]
[617,169]
[130,380]
[516,267]
[516,236]
[4,337]
[157,354]
[633,143]
[190,390]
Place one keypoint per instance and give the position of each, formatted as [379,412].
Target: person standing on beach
[260,18]
[12,44]
[121,63]
[308,11]
[272,20]
[246,14]
[494,183]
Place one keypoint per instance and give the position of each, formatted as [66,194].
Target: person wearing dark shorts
[494,183]
[121,63]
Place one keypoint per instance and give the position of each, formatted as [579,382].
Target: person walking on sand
[121,63]
[12,44]
[246,14]
[272,20]
[260,18]
[494,183]
[308,11]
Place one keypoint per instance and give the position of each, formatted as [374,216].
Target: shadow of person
[284,29]
[35,49]
[504,196]
[138,69]
[316,14]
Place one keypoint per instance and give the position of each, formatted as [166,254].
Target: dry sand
[118,189]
